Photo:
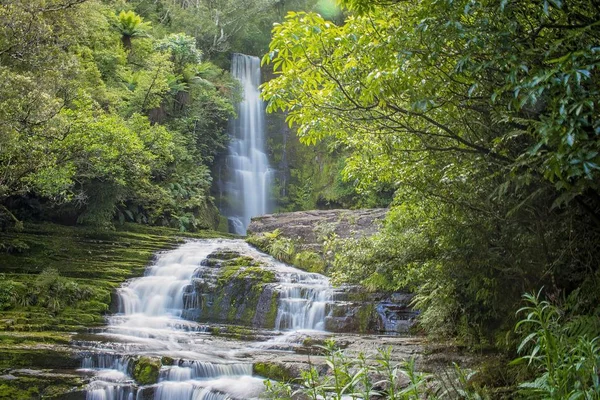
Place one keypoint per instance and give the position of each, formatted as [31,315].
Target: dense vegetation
[480,118]
[483,115]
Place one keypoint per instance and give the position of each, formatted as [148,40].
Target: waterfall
[151,322]
[302,301]
[248,188]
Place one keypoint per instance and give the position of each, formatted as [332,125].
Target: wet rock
[274,370]
[146,370]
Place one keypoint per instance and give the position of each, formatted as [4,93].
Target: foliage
[282,249]
[563,351]
[220,27]
[131,25]
[309,261]
[480,115]
[365,378]
[49,290]
[101,119]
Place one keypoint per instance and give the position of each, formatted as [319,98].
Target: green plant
[131,25]
[282,249]
[563,352]
[8,296]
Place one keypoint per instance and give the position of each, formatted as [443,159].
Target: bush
[8,295]
[54,292]
[365,378]
[563,351]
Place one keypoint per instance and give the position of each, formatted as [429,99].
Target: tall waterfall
[247,189]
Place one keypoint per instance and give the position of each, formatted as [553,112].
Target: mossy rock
[309,261]
[224,254]
[146,370]
[40,358]
[39,385]
[166,360]
[272,370]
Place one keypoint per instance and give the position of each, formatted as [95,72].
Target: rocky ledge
[299,237]
[309,228]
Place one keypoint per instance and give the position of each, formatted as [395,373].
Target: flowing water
[247,189]
[150,322]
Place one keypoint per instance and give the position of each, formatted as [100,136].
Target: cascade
[248,186]
[151,322]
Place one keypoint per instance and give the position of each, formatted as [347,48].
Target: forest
[475,123]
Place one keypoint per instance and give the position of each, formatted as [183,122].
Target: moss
[259,241]
[39,386]
[10,391]
[95,261]
[309,261]
[165,360]
[257,275]
[365,315]
[146,370]
[272,314]
[235,332]
[272,370]
[26,338]
[41,358]
[224,255]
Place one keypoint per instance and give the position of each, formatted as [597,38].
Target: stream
[150,323]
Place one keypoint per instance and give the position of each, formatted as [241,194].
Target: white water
[302,301]
[248,187]
[150,322]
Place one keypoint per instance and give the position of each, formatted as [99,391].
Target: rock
[146,370]
[274,370]
[308,228]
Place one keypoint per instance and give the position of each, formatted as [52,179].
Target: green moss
[365,315]
[41,358]
[44,385]
[272,314]
[92,262]
[26,338]
[257,275]
[10,391]
[309,261]
[235,332]
[165,360]
[146,370]
[224,255]
[259,241]
[272,370]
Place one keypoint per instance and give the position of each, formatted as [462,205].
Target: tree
[483,116]
[131,25]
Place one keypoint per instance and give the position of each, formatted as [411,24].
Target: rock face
[308,228]
[354,310]
[231,288]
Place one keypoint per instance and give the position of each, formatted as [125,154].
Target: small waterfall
[151,322]
[303,301]
[247,189]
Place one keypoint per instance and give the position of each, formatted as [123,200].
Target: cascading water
[302,301]
[151,323]
[248,186]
